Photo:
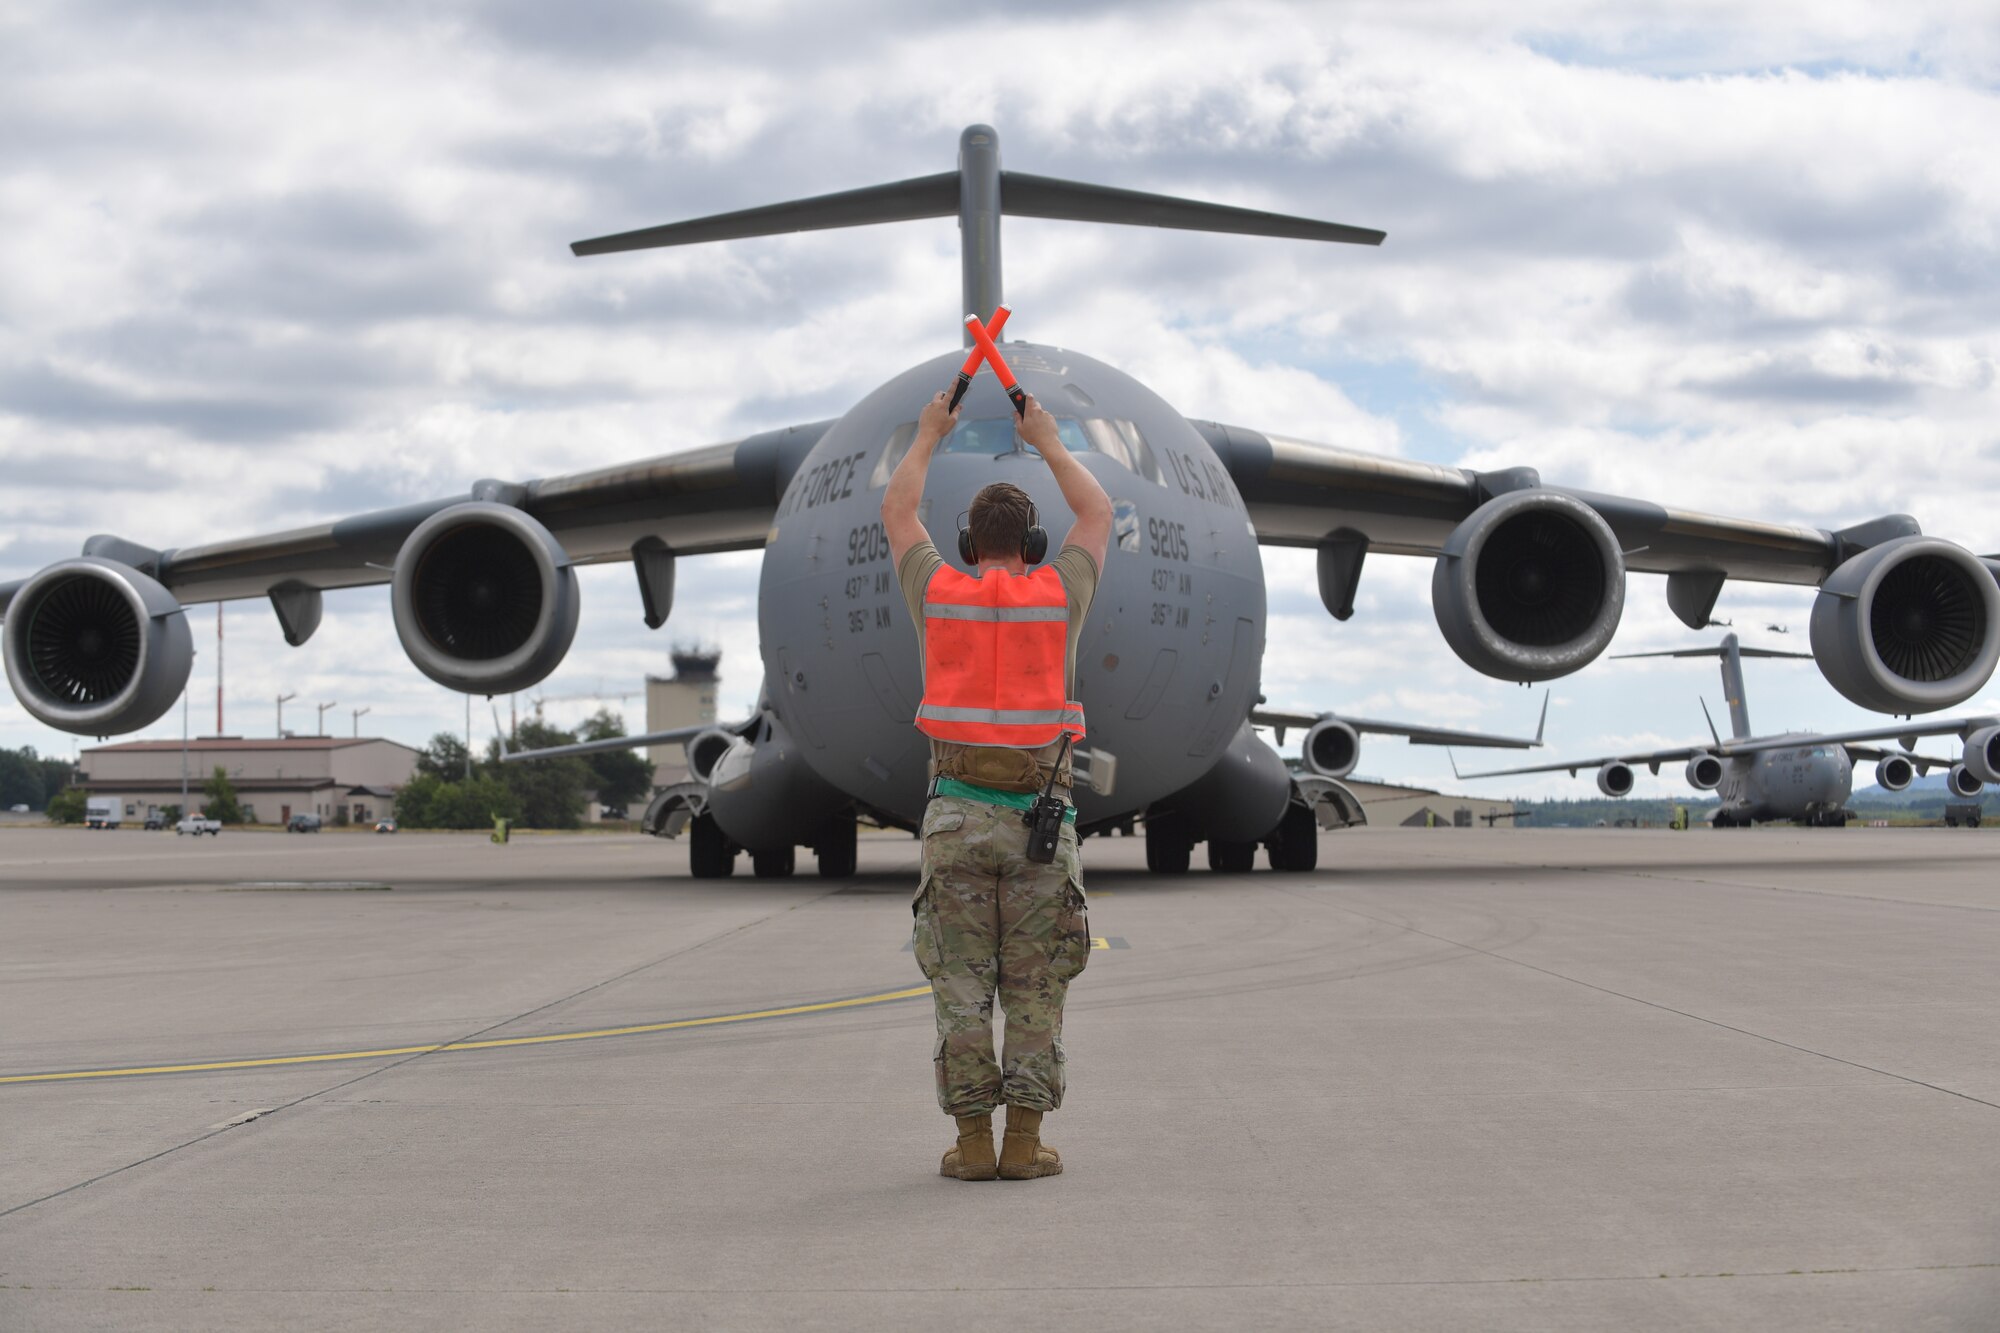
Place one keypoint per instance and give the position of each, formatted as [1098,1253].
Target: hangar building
[274,779]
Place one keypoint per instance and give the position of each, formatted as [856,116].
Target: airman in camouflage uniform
[991,924]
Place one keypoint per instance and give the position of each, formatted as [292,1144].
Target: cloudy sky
[271,263]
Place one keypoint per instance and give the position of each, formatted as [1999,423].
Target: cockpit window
[993,436]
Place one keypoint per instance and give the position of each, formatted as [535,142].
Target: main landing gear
[711,855]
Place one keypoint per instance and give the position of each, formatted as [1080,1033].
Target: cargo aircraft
[1528,579]
[1801,776]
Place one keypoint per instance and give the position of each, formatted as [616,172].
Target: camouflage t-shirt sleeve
[919,563]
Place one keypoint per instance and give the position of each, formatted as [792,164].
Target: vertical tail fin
[1732,654]
[1732,689]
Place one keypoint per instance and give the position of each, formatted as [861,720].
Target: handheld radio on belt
[1045,817]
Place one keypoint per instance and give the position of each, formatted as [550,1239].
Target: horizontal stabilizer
[1025,196]
[1021,195]
[899,201]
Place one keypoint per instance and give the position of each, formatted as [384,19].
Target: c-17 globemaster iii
[1528,579]
[1802,776]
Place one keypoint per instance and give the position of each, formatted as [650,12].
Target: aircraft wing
[610,743]
[1652,759]
[1299,493]
[1415,733]
[1906,735]
[1875,754]
[721,497]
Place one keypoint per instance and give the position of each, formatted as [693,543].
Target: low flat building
[1389,805]
[329,776]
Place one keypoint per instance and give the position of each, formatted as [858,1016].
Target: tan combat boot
[1023,1156]
[971,1158]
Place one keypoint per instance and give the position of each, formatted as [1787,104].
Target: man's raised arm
[1086,499]
[906,485]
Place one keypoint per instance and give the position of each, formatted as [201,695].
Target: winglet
[1711,720]
[1539,726]
[498,734]
[1454,761]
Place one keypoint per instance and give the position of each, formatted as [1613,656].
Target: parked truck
[198,825]
[103,812]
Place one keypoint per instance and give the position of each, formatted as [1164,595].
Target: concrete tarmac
[1455,1079]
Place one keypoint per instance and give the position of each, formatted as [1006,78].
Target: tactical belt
[1015,800]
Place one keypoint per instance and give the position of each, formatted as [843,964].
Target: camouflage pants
[990,922]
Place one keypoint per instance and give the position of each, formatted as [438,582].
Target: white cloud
[283,264]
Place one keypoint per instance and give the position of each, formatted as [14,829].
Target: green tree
[429,802]
[443,758]
[56,774]
[621,777]
[21,779]
[220,798]
[68,806]
[548,792]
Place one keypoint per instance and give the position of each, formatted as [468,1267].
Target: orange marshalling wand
[978,353]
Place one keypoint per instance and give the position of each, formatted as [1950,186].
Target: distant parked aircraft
[1802,776]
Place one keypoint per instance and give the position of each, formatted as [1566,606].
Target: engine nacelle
[485,599]
[1530,586]
[766,797]
[704,751]
[1615,779]
[1332,748]
[96,648]
[1704,772]
[1982,754]
[1962,781]
[1895,773]
[1910,626]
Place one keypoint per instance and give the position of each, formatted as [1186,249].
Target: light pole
[359,713]
[319,727]
[281,712]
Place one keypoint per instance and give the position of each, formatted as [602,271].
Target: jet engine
[705,750]
[484,598]
[1332,748]
[1963,782]
[1704,772]
[1910,626]
[96,648]
[1895,773]
[1529,586]
[1982,754]
[1615,779]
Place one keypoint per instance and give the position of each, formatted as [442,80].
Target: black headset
[1034,540]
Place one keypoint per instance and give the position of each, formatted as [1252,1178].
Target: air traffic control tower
[684,699]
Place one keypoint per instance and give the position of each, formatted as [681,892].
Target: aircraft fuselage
[1804,783]
[1170,655]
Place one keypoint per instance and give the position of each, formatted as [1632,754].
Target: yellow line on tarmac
[490,1043]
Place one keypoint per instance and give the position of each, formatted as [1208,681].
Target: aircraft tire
[838,852]
[1231,858]
[774,864]
[709,855]
[1295,847]
[1166,854]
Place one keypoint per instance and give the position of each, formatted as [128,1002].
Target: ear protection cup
[1035,541]
[965,551]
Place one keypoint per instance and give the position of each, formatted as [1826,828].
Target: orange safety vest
[994,652]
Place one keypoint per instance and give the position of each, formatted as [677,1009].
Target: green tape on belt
[1018,800]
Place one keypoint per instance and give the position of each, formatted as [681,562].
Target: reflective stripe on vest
[995,652]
